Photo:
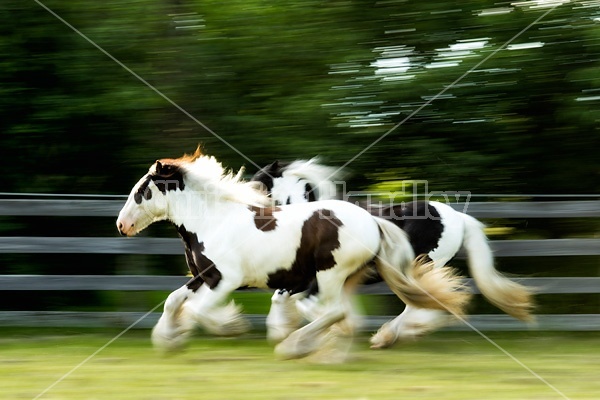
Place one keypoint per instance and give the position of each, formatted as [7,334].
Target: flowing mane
[323,178]
[203,173]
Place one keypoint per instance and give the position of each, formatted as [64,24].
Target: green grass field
[441,366]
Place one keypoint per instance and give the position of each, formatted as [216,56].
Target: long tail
[416,281]
[511,297]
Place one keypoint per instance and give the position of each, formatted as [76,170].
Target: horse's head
[291,189]
[147,202]
[283,187]
[267,175]
[299,182]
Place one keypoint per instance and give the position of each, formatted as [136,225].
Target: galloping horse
[434,229]
[233,238]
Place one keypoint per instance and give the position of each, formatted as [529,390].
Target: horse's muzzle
[120,228]
[123,229]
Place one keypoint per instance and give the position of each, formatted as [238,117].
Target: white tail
[511,297]
[415,281]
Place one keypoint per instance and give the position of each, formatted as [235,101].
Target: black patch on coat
[166,177]
[267,174]
[320,237]
[310,193]
[201,267]
[264,219]
[419,219]
[143,192]
[423,225]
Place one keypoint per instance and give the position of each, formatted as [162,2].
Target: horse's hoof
[334,348]
[384,338]
[236,327]
[296,346]
[276,334]
[380,344]
[233,327]
[169,343]
[284,352]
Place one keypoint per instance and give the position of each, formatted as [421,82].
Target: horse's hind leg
[412,323]
[283,317]
[307,339]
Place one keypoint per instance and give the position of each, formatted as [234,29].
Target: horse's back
[330,234]
[356,232]
[433,228]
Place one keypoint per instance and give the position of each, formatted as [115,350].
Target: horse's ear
[158,167]
[163,169]
[274,166]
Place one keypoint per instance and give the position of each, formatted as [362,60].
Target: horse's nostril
[120,228]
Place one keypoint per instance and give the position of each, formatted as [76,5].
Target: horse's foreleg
[206,308]
[168,333]
[411,324]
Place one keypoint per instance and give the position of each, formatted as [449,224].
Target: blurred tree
[297,80]
[521,122]
[59,117]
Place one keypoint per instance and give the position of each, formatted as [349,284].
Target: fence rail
[168,246]
[169,283]
[171,246]
[123,319]
[111,208]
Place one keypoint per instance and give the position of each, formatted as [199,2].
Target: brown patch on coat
[264,218]
[202,268]
[320,237]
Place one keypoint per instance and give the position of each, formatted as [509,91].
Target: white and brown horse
[234,238]
[434,229]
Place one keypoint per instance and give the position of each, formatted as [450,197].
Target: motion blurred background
[288,80]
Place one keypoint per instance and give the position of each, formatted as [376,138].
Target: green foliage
[297,80]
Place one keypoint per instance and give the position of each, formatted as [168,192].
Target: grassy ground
[441,366]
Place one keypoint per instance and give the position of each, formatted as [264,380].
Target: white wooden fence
[173,246]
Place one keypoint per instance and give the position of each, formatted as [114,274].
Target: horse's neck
[199,212]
